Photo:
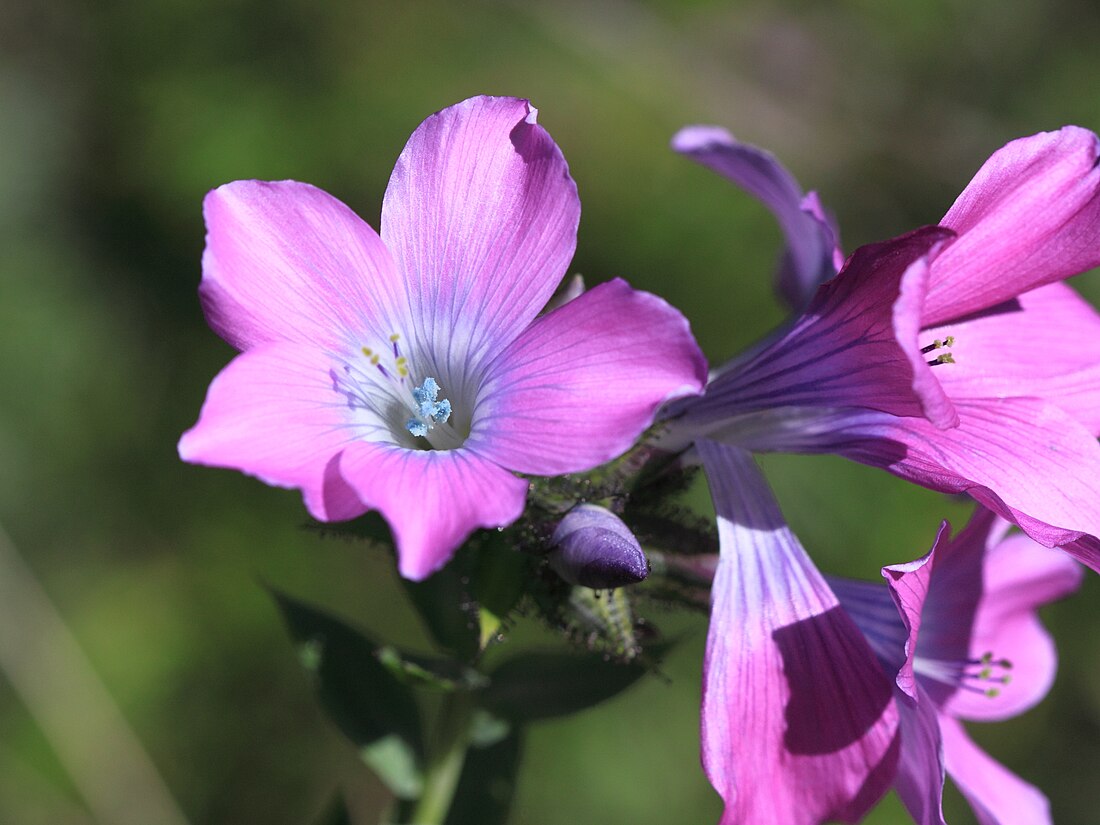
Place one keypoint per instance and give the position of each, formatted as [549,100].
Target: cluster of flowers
[411,372]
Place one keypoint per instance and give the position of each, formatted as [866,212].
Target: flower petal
[919,782]
[481,216]
[842,351]
[432,499]
[1019,577]
[808,260]
[997,795]
[798,726]
[285,261]
[581,384]
[1026,460]
[1030,216]
[1044,344]
[273,413]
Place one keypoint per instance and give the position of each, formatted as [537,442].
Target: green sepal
[488,782]
[532,686]
[363,698]
[429,671]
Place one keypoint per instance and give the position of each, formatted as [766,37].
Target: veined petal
[798,726]
[273,413]
[1026,460]
[808,259]
[1019,577]
[1044,344]
[432,499]
[481,216]
[581,383]
[1030,216]
[920,776]
[843,350]
[285,261]
[997,795]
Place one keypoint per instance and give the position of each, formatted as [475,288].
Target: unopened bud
[593,548]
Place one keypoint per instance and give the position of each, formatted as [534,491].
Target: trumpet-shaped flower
[949,356]
[798,725]
[410,372]
[957,630]
[820,693]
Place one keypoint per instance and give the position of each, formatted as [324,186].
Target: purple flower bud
[593,548]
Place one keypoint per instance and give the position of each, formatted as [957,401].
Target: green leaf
[534,686]
[361,695]
[337,813]
[447,607]
[488,782]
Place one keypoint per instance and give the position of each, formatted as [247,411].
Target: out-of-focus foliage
[117,116]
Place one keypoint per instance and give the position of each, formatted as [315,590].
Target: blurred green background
[117,116]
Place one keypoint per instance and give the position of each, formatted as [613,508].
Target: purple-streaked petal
[432,499]
[808,259]
[1019,577]
[1030,216]
[1044,344]
[908,584]
[273,413]
[1026,460]
[842,352]
[285,261]
[872,608]
[1086,550]
[481,216]
[919,782]
[578,387]
[798,724]
[997,796]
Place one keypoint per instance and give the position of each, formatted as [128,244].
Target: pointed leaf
[534,686]
[446,606]
[360,694]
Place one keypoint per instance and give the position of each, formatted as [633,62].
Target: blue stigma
[430,411]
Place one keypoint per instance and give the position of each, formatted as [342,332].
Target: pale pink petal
[432,499]
[798,724]
[582,383]
[287,262]
[808,259]
[842,351]
[1026,460]
[997,795]
[273,413]
[919,782]
[1020,576]
[1030,216]
[1045,344]
[481,216]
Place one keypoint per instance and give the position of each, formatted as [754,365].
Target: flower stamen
[940,343]
[984,675]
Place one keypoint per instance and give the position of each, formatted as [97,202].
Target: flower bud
[593,548]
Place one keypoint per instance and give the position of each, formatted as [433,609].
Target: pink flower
[409,372]
[958,631]
[798,724]
[949,356]
[820,693]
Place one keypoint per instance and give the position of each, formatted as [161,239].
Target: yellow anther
[395,337]
[374,359]
[402,371]
[367,352]
[402,361]
[949,341]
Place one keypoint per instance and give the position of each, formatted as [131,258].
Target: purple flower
[819,694]
[409,372]
[798,724]
[959,629]
[949,356]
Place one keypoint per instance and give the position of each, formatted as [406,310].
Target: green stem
[445,760]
